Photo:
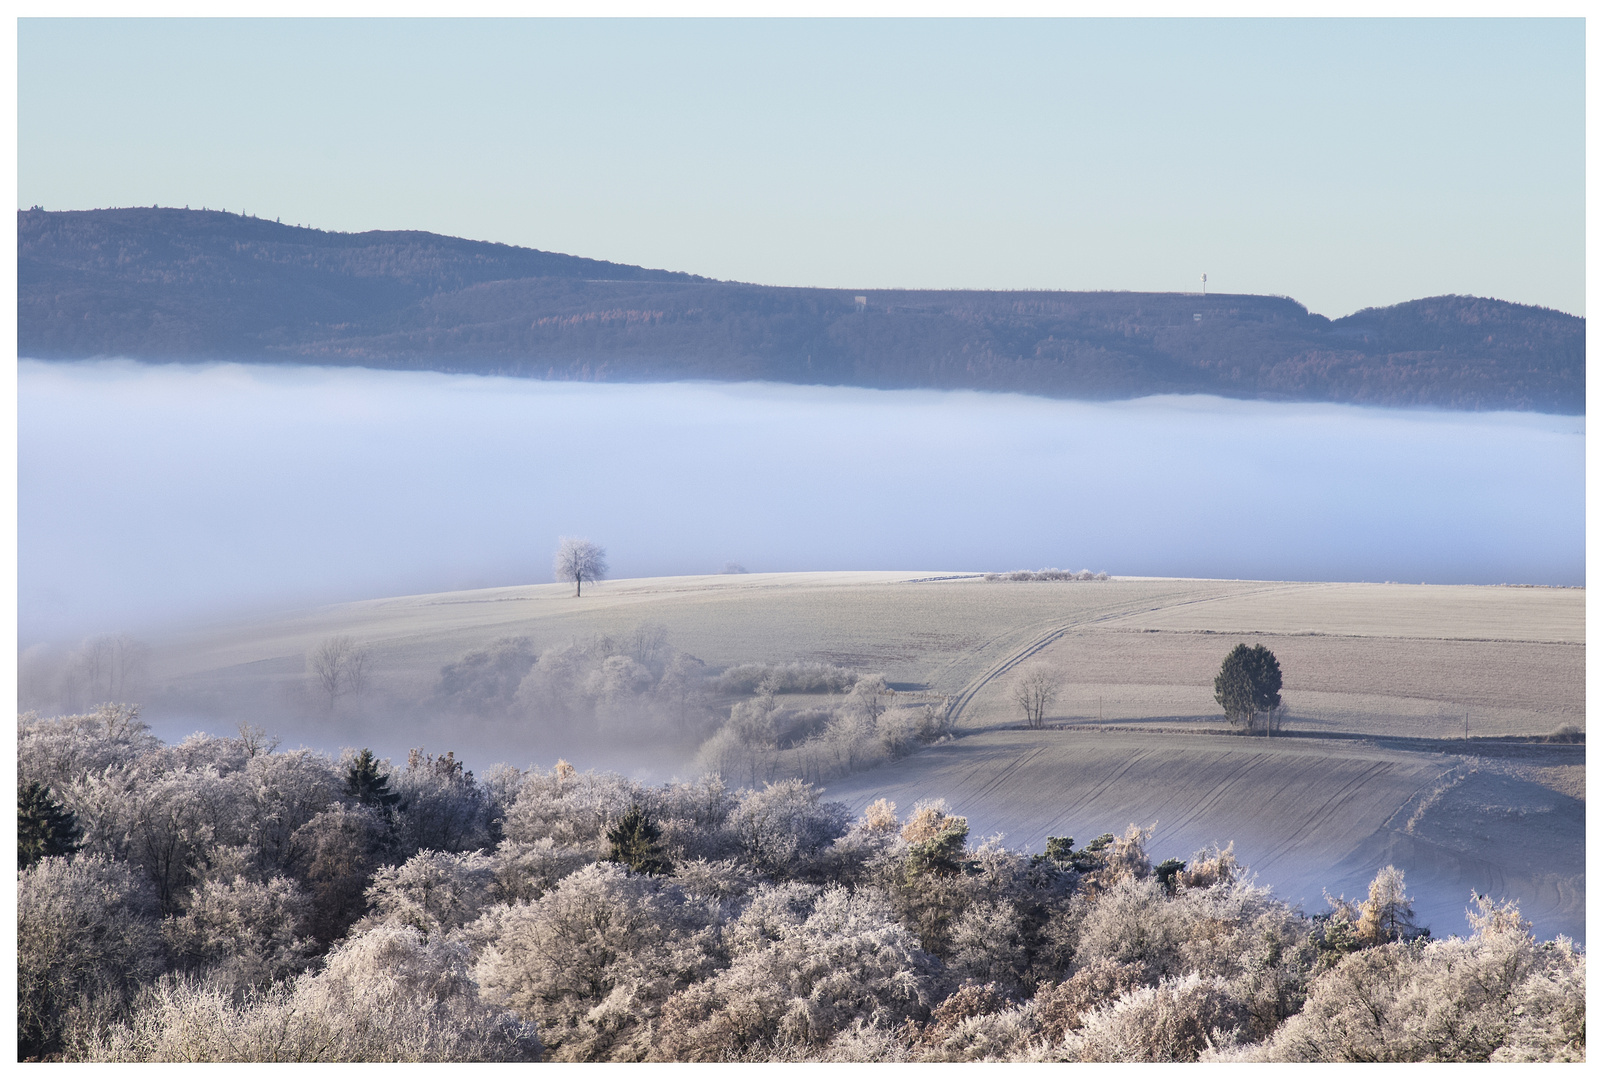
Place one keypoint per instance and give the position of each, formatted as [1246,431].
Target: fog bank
[153,493]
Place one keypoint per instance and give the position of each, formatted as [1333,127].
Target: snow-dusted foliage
[595,958]
[606,683]
[1498,995]
[386,995]
[231,901]
[87,937]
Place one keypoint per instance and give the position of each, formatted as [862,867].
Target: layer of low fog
[149,494]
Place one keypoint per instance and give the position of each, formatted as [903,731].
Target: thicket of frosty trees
[223,899]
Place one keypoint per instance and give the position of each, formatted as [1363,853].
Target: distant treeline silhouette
[166,284]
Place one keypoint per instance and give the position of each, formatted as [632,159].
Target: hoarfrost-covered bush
[161,822]
[616,682]
[783,828]
[87,937]
[56,752]
[441,807]
[335,853]
[793,678]
[282,793]
[486,680]
[432,892]
[1177,1020]
[571,808]
[385,995]
[1497,995]
[1060,1007]
[593,960]
[245,933]
[806,964]
[1132,923]
[526,871]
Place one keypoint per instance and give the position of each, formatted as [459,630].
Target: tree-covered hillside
[223,900]
[163,284]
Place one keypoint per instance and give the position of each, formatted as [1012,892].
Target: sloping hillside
[163,284]
[1371,768]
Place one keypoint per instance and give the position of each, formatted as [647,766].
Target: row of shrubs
[221,899]
[1049,574]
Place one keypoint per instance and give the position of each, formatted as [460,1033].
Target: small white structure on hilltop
[1204,284]
[862,303]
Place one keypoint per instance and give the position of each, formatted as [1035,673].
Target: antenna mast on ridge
[1204,284]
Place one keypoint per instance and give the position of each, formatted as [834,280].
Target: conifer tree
[637,843]
[44,826]
[368,786]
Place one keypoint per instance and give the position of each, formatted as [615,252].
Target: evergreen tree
[1248,683]
[637,843]
[368,786]
[44,826]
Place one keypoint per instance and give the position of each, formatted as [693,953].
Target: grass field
[1373,768]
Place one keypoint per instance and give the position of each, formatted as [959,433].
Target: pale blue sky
[1344,163]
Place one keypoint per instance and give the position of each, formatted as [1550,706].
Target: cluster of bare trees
[224,900]
[768,737]
[339,667]
[106,667]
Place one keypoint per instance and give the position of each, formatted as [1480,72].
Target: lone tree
[1034,690]
[1248,685]
[579,561]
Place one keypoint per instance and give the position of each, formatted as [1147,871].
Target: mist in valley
[153,499]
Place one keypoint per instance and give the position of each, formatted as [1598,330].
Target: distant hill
[164,284]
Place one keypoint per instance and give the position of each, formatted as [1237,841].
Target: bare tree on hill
[1034,690]
[579,561]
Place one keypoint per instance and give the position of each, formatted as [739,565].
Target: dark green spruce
[637,843]
[44,826]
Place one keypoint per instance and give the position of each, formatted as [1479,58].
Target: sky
[1344,163]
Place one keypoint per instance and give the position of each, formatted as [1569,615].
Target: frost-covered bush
[592,960]
[87,938]
[162,822]
[386,995]
[281,794]
[335,853]
[805,965]
[1133,922]
[616,682]
[571,808]
[433,892]
[1060,1008]
[244,933]
[56,752]
[1177,1020]
[1049,574]
[1497,995]
[216,871]
[486,680]
[806,677]
[441,807]
[783,829]
[527,870]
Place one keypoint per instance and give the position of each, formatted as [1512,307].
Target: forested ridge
[168,284]
[224,899]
